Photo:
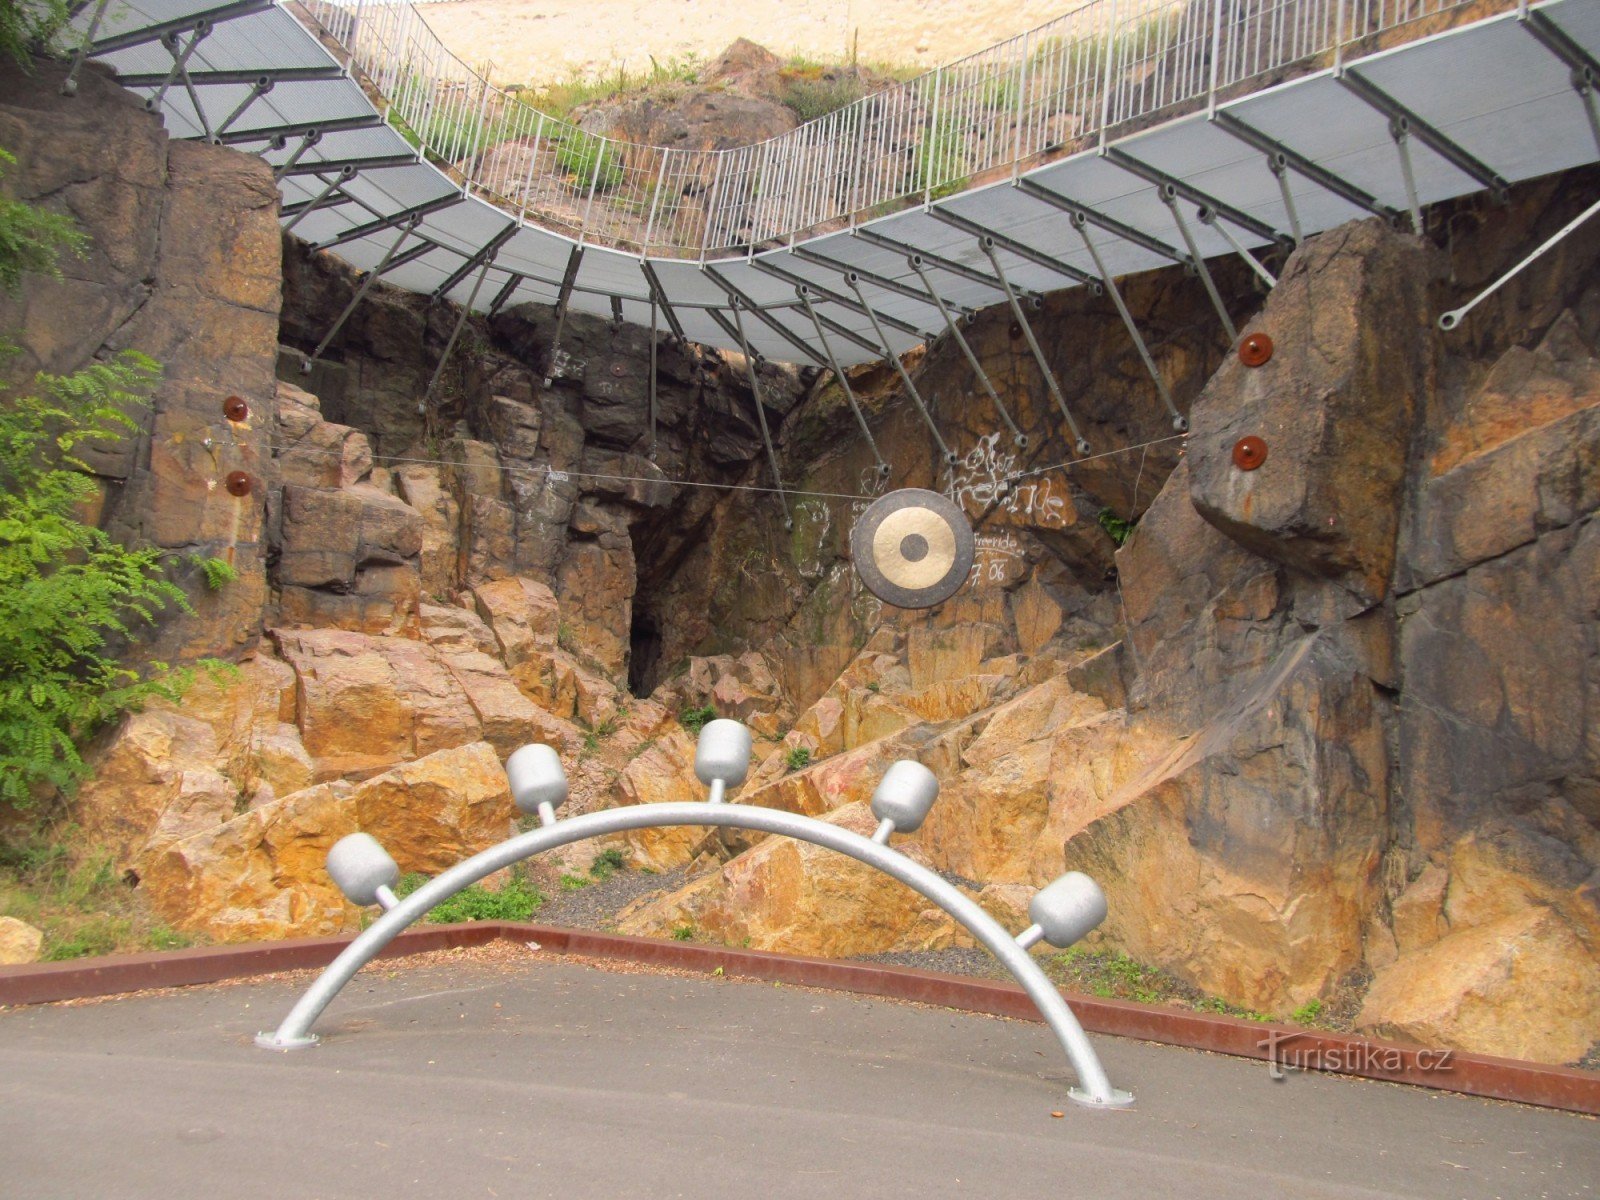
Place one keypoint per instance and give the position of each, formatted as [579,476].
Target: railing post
[1216,53]
[655,203]
[713,199]
[594,184]
[1022,95]
[1110,53]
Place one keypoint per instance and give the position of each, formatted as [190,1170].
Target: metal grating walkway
[1124,135]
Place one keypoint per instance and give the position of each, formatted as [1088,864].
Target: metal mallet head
[905,794]
[362,869]
[723,753]
[1068,909]
[536,778]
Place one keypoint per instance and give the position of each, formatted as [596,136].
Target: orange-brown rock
[1524,986]
[524,616]
[366,703]
[19,942]
[262,874]
[798,898]
[419,486]
[327,535]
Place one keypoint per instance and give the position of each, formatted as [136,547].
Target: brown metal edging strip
[113,974]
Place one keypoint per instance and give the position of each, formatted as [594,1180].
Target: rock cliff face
[181,266]
[1320,728]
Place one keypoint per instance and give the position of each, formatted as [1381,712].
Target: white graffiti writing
[976,479]
[995,555]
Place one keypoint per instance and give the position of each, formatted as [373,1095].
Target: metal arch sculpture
[1062,912]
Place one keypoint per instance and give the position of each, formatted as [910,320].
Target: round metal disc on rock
[912,548]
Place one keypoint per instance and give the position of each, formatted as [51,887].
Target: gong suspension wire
[548,472]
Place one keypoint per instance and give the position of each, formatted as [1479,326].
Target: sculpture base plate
[1119,1099]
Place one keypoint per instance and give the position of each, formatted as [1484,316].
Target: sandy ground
[536,41]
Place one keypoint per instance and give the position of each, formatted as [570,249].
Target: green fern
[219,572]
[26,27]
[31,238]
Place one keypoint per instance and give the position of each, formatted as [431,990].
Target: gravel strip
[597,905]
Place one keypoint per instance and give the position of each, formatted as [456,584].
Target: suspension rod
[1451,319]
[1080,443]
[1179,421]
[361,294]
[1169,197]
[761,415]
[894,359]
[954,326]
[455,334]
[345,175]
[1207,217]
[844,382]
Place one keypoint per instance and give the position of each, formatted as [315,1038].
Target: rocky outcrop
[261,873]
[1340,752]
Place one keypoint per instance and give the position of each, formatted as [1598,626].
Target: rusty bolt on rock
[1249,453]
[1255,350]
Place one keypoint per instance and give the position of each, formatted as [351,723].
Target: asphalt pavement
[543,1078]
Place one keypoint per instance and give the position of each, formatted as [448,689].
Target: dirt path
[535,41]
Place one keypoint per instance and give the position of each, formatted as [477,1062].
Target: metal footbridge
[1121,136]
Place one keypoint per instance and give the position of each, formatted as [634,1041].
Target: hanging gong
[912,548]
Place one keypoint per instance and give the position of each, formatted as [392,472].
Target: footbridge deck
[1124,135]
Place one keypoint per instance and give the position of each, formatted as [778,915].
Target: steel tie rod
[455,334]
[894,360]
[69,86]
[1020,438]
[361,293]
[844,382]
[1169,197]
[1080,443]
[1179,421]
[1454,317]
[309,139]
[761,415]
[655,311]
[257,90]
[1207,217]
[180,63]
[345,175]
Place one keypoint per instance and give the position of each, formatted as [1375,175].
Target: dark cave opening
[644,657]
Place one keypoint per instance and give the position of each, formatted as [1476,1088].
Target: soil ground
[539,41]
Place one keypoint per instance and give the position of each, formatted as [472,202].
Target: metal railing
[1104,67]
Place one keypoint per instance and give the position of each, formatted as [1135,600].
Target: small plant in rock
[1308,1013]
[874,686]
[590,161]
[606,864]
[696,719]
[573,883]
[1119,528]
[798,758]
[566,638]
[683,933]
